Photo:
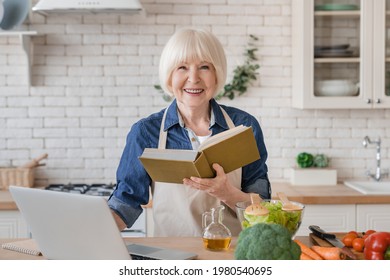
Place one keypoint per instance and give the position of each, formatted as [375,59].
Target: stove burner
[93,189]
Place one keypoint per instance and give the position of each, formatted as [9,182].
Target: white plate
[15,12]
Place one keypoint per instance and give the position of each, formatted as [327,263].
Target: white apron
[177,208]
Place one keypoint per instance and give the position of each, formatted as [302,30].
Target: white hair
[188,45]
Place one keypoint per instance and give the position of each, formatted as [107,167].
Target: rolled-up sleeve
[133,182]
[261,186]
[127,213]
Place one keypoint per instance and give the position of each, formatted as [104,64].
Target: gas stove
[92,189]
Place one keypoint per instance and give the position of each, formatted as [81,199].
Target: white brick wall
[93,77]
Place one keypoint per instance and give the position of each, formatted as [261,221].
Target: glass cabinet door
[342,65]
[381,71]
[387,48]
[337,29]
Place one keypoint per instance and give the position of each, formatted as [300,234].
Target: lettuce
[290,220]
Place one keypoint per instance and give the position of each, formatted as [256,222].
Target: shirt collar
[173,117]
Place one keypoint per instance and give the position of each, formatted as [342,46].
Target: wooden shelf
[337,60]
[25,41]
[338,13]
[18,33]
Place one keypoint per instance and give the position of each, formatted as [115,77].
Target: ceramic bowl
[15,12]
[289,219]
[336,88]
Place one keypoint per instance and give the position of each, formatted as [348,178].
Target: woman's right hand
[219,187]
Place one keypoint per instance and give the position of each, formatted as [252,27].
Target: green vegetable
[305,160]
[289,219]
[266,242]
[255,219]
[387,253]
[321,161]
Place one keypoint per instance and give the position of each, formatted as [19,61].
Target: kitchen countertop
[190,244]
[338,194]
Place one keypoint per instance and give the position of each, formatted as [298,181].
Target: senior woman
[193,70]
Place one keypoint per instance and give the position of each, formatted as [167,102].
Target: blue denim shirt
[132,180]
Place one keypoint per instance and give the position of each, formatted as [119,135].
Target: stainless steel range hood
[87,6]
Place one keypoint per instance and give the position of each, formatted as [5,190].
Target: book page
[170,154]
[222,136]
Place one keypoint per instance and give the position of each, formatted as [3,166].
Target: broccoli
[266,242]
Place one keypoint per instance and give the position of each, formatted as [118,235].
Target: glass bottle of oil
[216,236]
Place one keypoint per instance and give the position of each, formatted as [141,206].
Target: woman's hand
[219,187]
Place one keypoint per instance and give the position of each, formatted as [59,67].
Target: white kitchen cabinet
[346,217]
[373,216]
[330,217]
[12,225]
[350,44]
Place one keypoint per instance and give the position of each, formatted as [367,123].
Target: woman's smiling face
[194,83]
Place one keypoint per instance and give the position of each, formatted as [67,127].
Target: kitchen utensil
[331,47]
[216,236]
[334,53]
[15,12]
[332,239]
[35,162]
[287,204]
[256,208]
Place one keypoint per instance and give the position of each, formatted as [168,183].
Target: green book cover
[231,149]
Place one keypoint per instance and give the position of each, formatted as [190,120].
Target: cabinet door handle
[378,101]
[368,101]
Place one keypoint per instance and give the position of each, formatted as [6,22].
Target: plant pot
[313,177]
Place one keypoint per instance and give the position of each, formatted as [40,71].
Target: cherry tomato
[348,239]
[358,244]
[354,232]
[368,232]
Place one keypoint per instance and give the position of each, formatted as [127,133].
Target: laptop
[69,226]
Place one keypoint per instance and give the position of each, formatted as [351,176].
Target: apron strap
[163,134]
[227,118]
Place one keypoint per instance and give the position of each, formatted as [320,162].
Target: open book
[232,149]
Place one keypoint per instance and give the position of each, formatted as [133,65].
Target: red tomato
[354,232]
[348,239]
[368,232]
[358,244]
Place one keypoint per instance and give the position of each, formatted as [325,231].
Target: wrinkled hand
[219,186]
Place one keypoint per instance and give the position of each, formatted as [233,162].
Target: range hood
[87,6]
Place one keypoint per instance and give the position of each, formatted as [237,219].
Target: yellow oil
[217,244]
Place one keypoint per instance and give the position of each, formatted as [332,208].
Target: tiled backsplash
[93,77]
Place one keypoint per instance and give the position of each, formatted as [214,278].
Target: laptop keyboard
[138,257]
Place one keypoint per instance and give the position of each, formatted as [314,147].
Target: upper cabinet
[341,54]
